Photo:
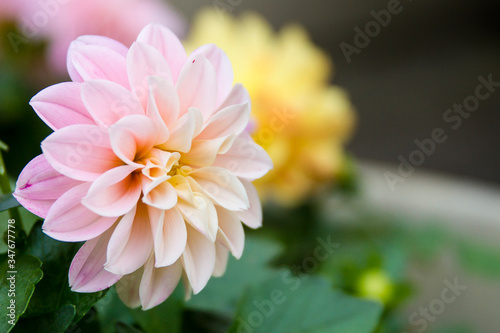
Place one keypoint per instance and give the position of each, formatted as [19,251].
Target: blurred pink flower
[61,21]
[149,163]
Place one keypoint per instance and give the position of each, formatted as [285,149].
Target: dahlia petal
[228,121]
[68,220]
[231,233]
[128,288]
[81,152]
[245,159]
[221,257]
[131,243]
[237,95]
[182,188]
[87,273]
[170,237]
[165,41]
[143,61]
[201,215]
[158,283]
[166,100]
[197,86]
[198,259]
[132,137]
[108,101]
[203,152]
[161,196]
[153,113]
[253,216]
[220,186]
[222,65]
[115,192]
[39,186]
[89,62]
[185,129]
[61,105]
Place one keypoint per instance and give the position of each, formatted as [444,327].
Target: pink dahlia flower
[149,164]
[61,21]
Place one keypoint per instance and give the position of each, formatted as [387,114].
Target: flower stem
[6,189]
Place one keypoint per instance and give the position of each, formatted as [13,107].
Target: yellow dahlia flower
[299,118]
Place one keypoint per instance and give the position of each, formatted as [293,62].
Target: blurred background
[401,84]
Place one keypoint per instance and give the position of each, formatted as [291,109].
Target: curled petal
[201,215]
[87,273]
[128,288]
[237,95]
[221,257]
[39,186]
[183,132]
[253,216]
[70,221]
[161,196]
[231,233]
[164,101]
[228,121]
[170,235]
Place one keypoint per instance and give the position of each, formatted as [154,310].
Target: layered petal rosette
[149,164]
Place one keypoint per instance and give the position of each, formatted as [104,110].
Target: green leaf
[55,322]
[287,303]
[53,292]
[28,274]
[7,201]
[479,259]
[222,294]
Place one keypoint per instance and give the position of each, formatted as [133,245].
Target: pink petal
[231,233]
[81,152]
[237,95]
[143,61]
[93,40]
[87,273]
[115,193]
[158,283]
[88,62]
[39,186]
[166,100]
[203,152]
[128,288]
[68,220]
[161,196]
[253,216]
[165,41]
[198,259]
[61,105]
[131,243]
[245,159]
[226,122]
[170,236]
[220,186]
[182,188]
[108,101]
[223,68]
[221,257]
[197,86]
[201,215]
[185,129]
[132,138]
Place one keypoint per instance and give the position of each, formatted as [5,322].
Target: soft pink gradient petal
[81,152]
[201,215]
[132,137]
[223,68]
[39,186]
[253,216]
[221,186]
[87,273]
[115,192]
[198,259]
[197,86]
[128,288]
[61,105]
[245,159]
[161,195]
[203,152]
[97,62]
[231,233]
[143,61]
[231,120]
[166,101]
[108,102]
[170,236]
[158,283]
[131,243]
[237,95]
[94,40]
[183,132]
[221,257]
[165,41]
[182,188]
[68,220]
